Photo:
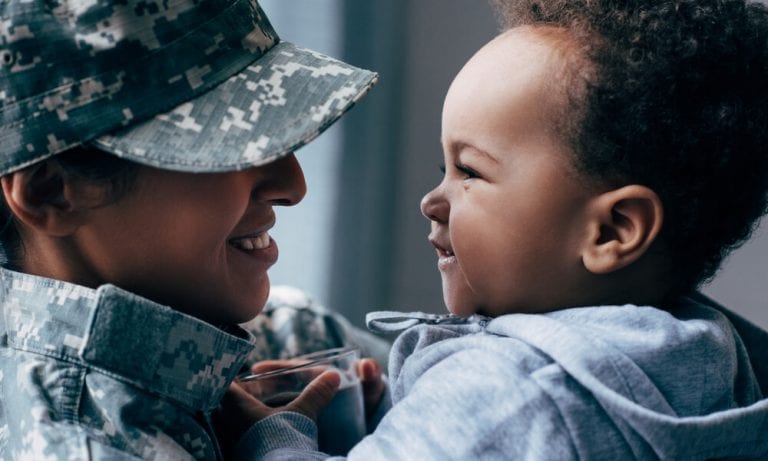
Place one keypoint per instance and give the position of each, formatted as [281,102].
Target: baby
[601,159]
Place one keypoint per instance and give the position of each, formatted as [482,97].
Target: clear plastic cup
[341,424]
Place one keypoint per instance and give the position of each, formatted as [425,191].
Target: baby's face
[197,242]
[508,217]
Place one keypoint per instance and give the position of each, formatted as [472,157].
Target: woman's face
[196,242]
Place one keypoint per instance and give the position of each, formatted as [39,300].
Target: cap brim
[273,107]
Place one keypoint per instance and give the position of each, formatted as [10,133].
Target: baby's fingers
[238,402]
[373,383]
[237,412]
[316,395]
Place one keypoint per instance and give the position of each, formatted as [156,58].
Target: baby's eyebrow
[461,146]
[454,147]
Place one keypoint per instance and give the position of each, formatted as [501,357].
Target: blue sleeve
[282,436]
[471,404]
[467,405]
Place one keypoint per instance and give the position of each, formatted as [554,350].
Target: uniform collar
[135,340]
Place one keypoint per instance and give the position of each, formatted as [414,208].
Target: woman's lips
[252,242]
[258,248]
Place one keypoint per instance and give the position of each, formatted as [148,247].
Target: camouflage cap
[187,85]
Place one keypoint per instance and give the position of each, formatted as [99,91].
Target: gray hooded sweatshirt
[590,383]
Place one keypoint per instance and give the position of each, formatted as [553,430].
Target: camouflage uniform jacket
[97,374]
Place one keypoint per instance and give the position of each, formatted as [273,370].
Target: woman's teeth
[258,242]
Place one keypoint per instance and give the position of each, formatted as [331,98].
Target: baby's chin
[460,309]
[493,311]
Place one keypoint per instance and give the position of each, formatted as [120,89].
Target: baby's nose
[434,206]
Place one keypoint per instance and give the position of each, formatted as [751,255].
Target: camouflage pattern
[188,85]
[105,374]
[294,324]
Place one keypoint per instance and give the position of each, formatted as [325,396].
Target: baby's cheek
[476,255]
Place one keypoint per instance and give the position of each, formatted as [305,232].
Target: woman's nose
[434,206]
[285,183]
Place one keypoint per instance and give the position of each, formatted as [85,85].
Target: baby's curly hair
[671,94]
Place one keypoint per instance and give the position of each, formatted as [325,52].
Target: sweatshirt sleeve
[466,405]
[470,404]
[286,435]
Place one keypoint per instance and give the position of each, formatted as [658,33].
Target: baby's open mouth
[443,251]
[251,243]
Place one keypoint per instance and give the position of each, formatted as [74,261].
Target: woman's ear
[40,197]
[623,224]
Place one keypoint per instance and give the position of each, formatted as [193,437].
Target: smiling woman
[138,215]
[206,251]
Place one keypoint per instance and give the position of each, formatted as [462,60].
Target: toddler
[601,159]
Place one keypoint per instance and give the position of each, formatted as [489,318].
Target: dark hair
[675,97]
[82,163]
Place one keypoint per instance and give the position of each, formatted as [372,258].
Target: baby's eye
[468,172]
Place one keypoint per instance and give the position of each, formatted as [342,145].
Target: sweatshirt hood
[695,372]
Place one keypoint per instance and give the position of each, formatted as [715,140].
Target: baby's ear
[623,224]
[40,197]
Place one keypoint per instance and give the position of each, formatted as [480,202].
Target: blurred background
[358,241]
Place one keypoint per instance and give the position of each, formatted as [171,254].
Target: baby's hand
[369,372]
[239,410]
